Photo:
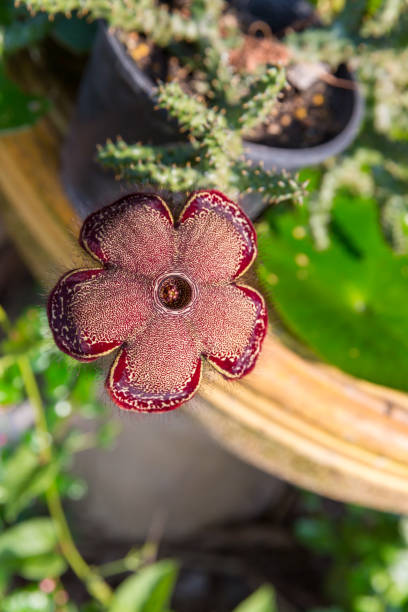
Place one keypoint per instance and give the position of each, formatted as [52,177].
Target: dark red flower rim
[166,296]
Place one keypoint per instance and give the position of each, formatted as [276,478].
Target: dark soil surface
[301,119]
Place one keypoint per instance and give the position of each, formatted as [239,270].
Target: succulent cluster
[213,156]
[153,19]
[372,38]
[221,105]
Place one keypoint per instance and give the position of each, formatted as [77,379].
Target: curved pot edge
[278,158]
[293,159]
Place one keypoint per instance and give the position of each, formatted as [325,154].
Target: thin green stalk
[4,321]
[120,566]
[95,584]
[133,562]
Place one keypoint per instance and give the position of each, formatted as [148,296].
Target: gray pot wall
[166,470]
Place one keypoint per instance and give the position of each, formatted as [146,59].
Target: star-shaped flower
[165,295]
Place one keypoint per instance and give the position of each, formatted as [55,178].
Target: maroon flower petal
[231,322]
[92,312]
[217,241]
[158,370]
[135,233]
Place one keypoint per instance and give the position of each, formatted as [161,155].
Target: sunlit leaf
[17,471]
[348,302]
[263,600]
[27,600]
[39,482]
[38,567]
[35,536]
[148,591]
[11,385]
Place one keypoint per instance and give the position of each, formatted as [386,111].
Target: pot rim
[273,157]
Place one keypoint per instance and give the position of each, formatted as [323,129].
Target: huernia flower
[165,296]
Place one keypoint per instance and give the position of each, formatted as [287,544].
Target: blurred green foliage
[213,156]
[370,36]
[366,553]
[161,23]
[347,302]
[20,29]
[29,545]
[336,283]
[36,547]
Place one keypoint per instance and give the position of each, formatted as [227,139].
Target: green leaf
[18,109]
[86,387]
[20,34]
[147,591]
[5,576]
[263,600]
[33,537]
[74,33]
[31,327]
[24,479]
[317,534]
[27,600]
[348,303]
[11,384]
[58,373]
[17,471]
[37,485]
[38,567]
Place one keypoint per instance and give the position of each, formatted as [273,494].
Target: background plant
[191,32]
[213,157]
[20,30]
[336,271]
[17,30]
[227,104]
[366,553]
[371,37]
[347,302]
[36,543]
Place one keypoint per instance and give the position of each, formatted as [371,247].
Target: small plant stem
[118,567]
[95,584]
[133,562]
[4,320]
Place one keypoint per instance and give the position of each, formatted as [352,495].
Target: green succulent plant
[371,36]
[213,156]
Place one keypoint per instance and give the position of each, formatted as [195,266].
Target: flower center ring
[174,292]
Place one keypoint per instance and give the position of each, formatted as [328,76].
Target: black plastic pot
[278,14]
[116,98]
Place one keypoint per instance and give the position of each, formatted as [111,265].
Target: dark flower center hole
[175,292]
